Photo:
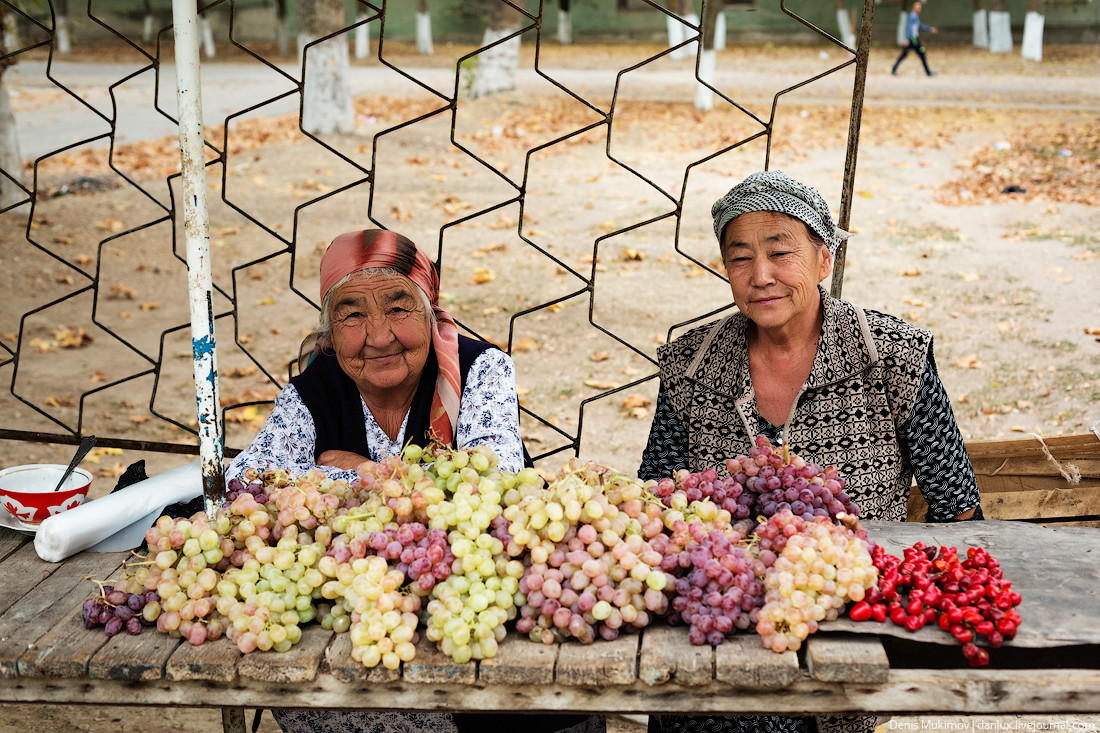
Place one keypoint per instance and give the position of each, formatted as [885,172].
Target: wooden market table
[1053,666]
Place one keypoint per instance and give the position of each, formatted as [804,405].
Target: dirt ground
[1009,283]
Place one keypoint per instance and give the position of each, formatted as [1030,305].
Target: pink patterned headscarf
[355,251]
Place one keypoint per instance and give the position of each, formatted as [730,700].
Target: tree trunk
[704,97]
[903,22]
[11,161]
[282,30]
[497,66]
[1031,47]
[423,29]
[11,32]
[326,96]
[720,30]
[207,35]
[844,23]
[362,37]
[678,32]
[565,23]
[62,39]
[1000,27]
[981,25]
[147,23]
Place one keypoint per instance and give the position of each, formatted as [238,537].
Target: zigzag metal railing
[70,432]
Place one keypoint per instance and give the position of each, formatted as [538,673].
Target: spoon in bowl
[86,445]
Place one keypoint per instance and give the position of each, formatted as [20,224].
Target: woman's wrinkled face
[380,332]
[773,267]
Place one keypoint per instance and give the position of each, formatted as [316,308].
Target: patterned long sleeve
[667,447]
[932,443]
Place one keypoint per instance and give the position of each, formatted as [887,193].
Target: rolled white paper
[118,520]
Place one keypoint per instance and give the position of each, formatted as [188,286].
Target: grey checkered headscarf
[776,191]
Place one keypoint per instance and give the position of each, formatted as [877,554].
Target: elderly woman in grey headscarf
[841,385]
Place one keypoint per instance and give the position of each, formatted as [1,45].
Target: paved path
[49,118]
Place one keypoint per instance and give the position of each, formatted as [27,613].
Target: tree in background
[903,22]
[844,23]
[497,66]
[1032,46]
[423,29]
[565,23]
[678,32]
[1000,27]
[326,95]
[981,25]
[11,160]
[704,97]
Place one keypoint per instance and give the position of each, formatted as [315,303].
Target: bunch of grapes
[811,568]
[383,621]
[466,613]
[715,589]
[118,607]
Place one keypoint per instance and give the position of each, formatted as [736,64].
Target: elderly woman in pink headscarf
[385,367]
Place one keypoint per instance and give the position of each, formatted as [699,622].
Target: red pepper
[861,611]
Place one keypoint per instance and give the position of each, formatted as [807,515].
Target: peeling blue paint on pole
[196,229]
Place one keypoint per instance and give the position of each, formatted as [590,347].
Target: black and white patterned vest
[861,390]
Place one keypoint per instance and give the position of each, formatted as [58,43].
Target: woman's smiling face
[381,333]
[774,267]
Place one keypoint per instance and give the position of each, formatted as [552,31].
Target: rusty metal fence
[94,329]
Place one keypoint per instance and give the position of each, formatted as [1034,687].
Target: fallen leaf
[95,453]
[151,305]
[244,415]
[912,272]
[65,280]
[1006,326]
[59,402]
[238,372]
[266,301]
[522,391]
[42,346]
[1024,404]
[969,277]
[524,344]
[599,384]
[99,377]
[638,413]
[636,400]
[112,471]
[492,247]
[138,419]
[633,255]
[399,213]
[917,303]
[631,371]
[482,276]
[599,356]
[964,398]
[1090,255]
[69,338]
[970,362]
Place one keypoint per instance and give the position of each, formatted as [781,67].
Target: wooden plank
[519,661]
[959,690]
[667,656]
[992,467]
[433,667]
[602,663]
[1043,503]
[65,649]
[56,599]
[339,663]
[10,541]
[847,658]
[135,658]
[214,661]
[1062,445]
[300,664]
[743,662]
[22,571]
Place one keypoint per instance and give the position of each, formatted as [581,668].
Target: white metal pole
[196,227]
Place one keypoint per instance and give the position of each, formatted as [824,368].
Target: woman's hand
[340,459]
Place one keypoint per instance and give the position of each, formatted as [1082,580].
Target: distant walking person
[912,31]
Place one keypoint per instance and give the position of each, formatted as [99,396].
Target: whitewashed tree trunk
[1000,31]
[678,32]
[62,37]
[282,35]
[424,34]
[675,35]
[720,32]
[326,96]
[704,97]
[11,33]
[981,29]
[497,66]
[1031,47]
[207,35]
[362,38]
[691,49]
[844,23]
[565,27]
[903,21]
[147,29]
[11,161]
